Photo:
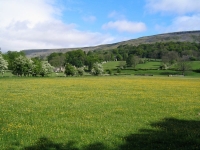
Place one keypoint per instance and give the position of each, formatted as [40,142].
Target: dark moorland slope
[186,36]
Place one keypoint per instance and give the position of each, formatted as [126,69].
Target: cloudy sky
[42,24]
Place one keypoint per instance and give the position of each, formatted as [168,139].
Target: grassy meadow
[86,113]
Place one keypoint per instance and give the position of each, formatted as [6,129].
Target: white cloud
[48,35]
[89,19]
[22,10]
[35,24]
[173,6]
[116,15]
[125,26]
[182,23]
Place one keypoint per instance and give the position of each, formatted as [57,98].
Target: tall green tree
[119,57]
[58,61]
[132,60]
[37,66]
[76,58]
[90,61]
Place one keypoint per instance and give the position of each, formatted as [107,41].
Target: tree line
[71,63]
[168,52]
[155,50]
[20,65]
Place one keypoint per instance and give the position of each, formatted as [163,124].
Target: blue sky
[42,24]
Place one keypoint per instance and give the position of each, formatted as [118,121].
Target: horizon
[117,42]
[57,24]
[102,44]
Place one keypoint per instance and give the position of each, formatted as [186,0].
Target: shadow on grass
[170,73]
[170,133]
[196,71]
[46,144]
[156,65]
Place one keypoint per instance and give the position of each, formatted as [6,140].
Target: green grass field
[148,65]
[151,67]
[111,65]
[195,64]
[99,113]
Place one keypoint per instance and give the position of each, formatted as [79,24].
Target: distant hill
[185,36]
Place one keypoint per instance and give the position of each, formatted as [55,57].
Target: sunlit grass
[91,109]
[195,64]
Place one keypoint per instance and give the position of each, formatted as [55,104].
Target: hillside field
[151,67]
[101,113]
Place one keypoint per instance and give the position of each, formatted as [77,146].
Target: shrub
[192,58]
[70,70]
[80,71]
[118,70]
[97,69]
[109,71]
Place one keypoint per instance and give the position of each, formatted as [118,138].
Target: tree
[107,56]
[37,67]
[22,66]
[132,60]
[52,55]
[70,70]
[119,57]
[97,69]
[90,61]
[170,58]
[122,64]
[184,64]
[58,61]
[46,68]
[28,68]
[76,58]
[80,71]
[10,56]
[125,56]
[154,54]
[3,64]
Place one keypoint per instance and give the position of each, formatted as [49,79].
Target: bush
[163,67]
[118,70]
[97,69]
[109,71]
[80,71]
[192,58]
[70,70]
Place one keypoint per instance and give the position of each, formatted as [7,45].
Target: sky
[48,24]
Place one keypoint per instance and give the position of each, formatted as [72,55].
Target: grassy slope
[151,65]
[195,65]
[99,113]
[111,65]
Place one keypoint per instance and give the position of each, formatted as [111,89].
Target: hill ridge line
[181,36]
